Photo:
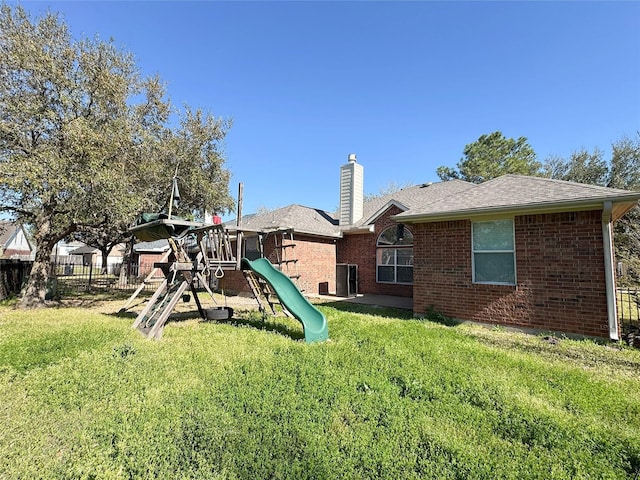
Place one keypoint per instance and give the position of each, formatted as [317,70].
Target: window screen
[494,252]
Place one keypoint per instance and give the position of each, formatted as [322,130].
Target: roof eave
[378,213]
[627,202]
[318,234]
[258,230]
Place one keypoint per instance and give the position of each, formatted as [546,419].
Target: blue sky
[404,85]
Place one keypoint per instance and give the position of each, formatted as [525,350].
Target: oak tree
[86,142]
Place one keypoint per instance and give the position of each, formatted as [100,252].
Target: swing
[220,313]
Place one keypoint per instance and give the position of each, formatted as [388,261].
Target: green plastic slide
[313,321]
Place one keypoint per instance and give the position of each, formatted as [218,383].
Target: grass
[84,396]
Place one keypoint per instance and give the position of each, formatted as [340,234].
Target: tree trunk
[33,294]
[35,291]
[105,260]
[125,269]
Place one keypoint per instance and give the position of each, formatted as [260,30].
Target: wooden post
[238,232]
[174,191]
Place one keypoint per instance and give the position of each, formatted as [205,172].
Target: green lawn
[389,397]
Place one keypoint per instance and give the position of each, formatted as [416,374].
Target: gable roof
[505,195]
[522,194]
[7,230]
[312,221]
[157,246]
[13,236]
[411,198]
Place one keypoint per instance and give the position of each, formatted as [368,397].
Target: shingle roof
[412,198]
[302,219]
[84,249]
[6,231]
[453,198]
[518,192]
[319,222]
[155,246]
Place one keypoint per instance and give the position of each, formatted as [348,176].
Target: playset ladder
[258,288]
[286,255]
[151,320]
[179,276]
[147,281]
[263,293]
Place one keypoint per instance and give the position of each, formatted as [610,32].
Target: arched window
[394,255]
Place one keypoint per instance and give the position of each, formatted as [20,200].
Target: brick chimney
[351,191]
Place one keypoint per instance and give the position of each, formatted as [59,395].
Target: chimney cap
[352,157]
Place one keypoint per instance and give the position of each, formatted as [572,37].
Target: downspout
[610,286]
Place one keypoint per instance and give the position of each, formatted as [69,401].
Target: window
[494,252]
[394,256]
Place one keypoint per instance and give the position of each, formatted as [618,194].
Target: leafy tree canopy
[621,171]
[581,167]
[86,143]
[491,156]
[624,169]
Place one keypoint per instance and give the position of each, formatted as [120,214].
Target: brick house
[519,251]
[300,240]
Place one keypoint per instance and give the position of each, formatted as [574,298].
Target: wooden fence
[12,275]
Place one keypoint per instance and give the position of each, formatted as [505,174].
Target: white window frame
[394,249]
[512,251]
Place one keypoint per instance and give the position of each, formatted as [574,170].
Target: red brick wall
[559,270]
[316,264]
[360,249]
[9,252]
[146,261]
[234,282]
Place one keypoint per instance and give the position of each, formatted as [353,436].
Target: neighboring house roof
[83,250]
[64,248]
[158,246]
[7,231]
[312,221]
[522,194]
[10,233]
